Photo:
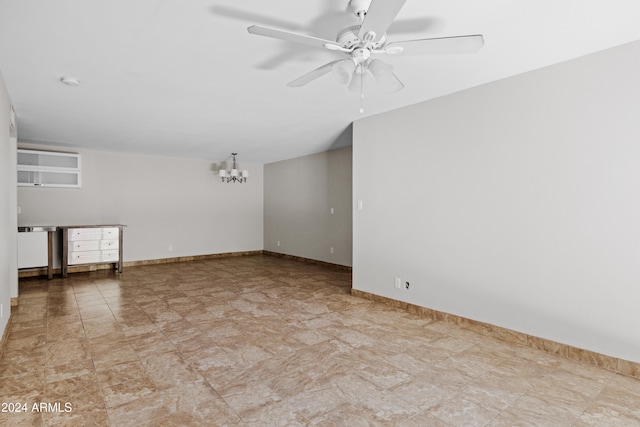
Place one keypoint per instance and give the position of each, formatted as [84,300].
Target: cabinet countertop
[62,227]
[35,228]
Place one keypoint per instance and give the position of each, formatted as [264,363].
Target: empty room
[322,212]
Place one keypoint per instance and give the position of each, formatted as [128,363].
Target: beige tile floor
[263,341]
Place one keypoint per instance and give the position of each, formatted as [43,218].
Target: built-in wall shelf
[48,169]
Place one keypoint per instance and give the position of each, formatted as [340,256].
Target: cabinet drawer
[84,257]
[91,257]
[92,245]
[107,233]
[110,233]
[110,256]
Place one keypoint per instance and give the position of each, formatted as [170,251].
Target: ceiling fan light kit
[343,70]
[364,42]
[358,80]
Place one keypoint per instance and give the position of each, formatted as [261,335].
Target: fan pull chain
[362,92]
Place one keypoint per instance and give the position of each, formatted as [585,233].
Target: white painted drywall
[515,203]
[8,211]
[299,194]
[164,202]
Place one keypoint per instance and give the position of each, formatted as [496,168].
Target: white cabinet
[91,244]
[35,247]
[48,169]
[32,250]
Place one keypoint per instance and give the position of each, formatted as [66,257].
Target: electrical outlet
[278,243]
[19,210]
[332,211]
[331,250]
[406,285]
[170,248]
[398,283]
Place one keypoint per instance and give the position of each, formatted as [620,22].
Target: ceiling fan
[365,41]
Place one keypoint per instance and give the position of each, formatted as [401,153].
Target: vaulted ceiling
[185,78]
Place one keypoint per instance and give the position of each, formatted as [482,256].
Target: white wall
[299,194]
[163,201]
[8,222]
[516,203]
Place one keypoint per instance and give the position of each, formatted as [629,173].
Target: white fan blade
[379,17]
[311,76]
[441,45]
[293,37]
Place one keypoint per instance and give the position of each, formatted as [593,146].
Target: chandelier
[234,175]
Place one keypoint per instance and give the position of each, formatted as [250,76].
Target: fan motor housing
[348,37]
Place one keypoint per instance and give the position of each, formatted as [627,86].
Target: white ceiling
[185,78]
